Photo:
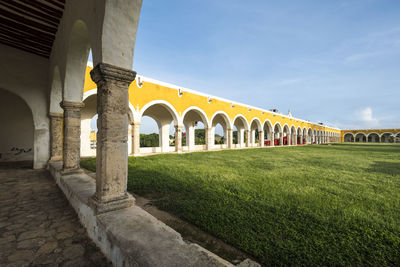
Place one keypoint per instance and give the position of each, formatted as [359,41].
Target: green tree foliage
[149,140]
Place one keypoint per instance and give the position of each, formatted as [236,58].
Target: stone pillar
[253,137]
[135,132]
[229,139]
[295,140]
[72,136]
[178,138]
[247,138]
[241,137]
[281,138]
[209,140]
[261,138]
[272,138]
[56,127]
[112,148]
[190,136]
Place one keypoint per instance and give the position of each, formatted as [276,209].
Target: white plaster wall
[16,132]
[98,19]
[25,75]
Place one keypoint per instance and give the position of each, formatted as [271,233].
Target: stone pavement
[38,227]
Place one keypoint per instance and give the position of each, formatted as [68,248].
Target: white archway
[268,133]
[163,113]
[222,119]
[190,119]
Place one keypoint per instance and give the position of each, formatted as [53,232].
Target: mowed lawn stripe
[308,205]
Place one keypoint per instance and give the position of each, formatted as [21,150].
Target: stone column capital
[135,123]
[70,105]
[178,127]
[55,115]
[106,72]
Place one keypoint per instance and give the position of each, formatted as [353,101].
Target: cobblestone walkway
[38,227]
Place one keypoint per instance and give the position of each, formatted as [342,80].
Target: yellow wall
[368,131]
[149,91]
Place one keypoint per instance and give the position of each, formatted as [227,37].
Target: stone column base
[100,207]
[69,171]
[55,159]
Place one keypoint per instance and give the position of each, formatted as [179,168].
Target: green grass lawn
[307,205]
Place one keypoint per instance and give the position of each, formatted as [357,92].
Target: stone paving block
[34,214]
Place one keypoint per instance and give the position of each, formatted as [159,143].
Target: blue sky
[336,62]
[332,61]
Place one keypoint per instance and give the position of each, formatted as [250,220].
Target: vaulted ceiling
[30,25]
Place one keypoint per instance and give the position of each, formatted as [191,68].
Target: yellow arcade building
[167,103]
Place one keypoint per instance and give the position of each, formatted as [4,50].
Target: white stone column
[190,136]
[281,138]
[135,132]
[247,138]
[241,137]
[56,127]
[210,138]
[72,136]
[178,138]
[253,137]
[112,148]
[229,138]
[295,140]
[272,138]
[164,136]
[261,138]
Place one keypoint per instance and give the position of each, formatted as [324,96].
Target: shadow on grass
[385,167]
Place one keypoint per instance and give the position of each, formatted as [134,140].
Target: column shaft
[229,132]
[56,127]
[178,138]
[112,148]
[135,128]
[261,138]
[272,138]
[209,139]
[247,138]
[72,136]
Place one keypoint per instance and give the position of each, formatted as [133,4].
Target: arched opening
[299,136]
[241,126]
[219,125]
[309,136]
[268,134]
[348,137]
[361,138]
[155,129]
[16,131]
[286,135]
[255,128]
[194,135]
[89,126]
[373,138]
[278,135]
[387,138]
[397,138]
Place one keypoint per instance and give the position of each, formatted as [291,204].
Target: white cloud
[366,117]
[362,56]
